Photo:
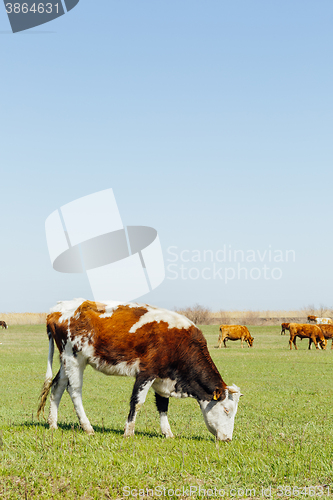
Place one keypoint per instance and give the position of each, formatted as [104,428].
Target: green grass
[283,429]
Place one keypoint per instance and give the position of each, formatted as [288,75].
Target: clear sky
[211,121]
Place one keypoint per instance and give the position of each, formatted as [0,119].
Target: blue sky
[211,121]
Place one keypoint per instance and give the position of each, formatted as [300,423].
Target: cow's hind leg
[162,407]
[59,384]
[139,394]
[74,368]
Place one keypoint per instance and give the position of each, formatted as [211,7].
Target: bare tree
[251,318]
[225,318]
[200,315]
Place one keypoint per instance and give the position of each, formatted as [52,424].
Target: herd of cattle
[161,349]
[318,331]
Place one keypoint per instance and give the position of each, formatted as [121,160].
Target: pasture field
[283,435]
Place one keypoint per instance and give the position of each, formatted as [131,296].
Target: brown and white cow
[3,324]
[328,332]
[235,332]
[284,326]
[311,332]
[160,348]
[320,321]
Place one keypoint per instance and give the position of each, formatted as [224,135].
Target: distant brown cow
[312,318]
[3,324]
[285,326]
[311,332]
[328,332]
[235,332]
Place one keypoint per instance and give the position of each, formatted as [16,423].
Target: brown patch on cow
[327,330]
[94,306]
[53,326]
[158,347]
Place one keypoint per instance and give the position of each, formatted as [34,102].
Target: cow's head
[219,414]
[250,341]
[284,327]
[323,343]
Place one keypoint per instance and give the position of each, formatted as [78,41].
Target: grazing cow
[160,348]
[312,319]
[328,332]
[285,326]
[3,324]
[312,332]
[235,332]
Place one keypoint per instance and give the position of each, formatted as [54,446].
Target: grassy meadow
[283,437]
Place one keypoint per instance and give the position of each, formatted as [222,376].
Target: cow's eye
[227,411]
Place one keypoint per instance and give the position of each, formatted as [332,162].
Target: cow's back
[233,332]
[327,330]
[305,330]
[129,338]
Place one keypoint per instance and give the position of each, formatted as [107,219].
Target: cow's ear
[232,390]
[217,394]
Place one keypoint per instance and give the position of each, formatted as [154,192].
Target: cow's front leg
[139,394]
[314,340]
[291,340]
[162,407]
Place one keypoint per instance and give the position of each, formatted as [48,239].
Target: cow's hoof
[88,429]
[129,429]
[52,425]
[168,434]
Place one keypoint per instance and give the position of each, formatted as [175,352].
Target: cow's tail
[48,377]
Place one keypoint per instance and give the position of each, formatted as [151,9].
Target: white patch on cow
[173,319]
[323,321]
[67,308]
[166,388]
[48,375]
[122,369]
[219,416]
